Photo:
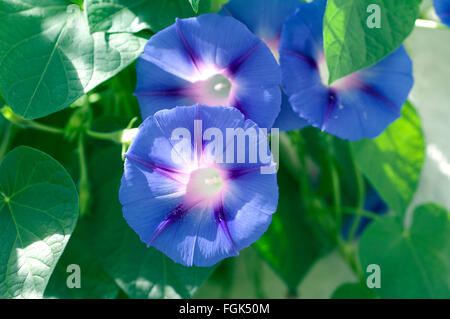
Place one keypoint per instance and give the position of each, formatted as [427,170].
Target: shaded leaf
[95,282]
[352,291]
[38,212]
[414,262]
[290,245]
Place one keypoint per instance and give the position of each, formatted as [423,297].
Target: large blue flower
[443,10]
[191,190]
[265,18]
[360,105]
[211,60]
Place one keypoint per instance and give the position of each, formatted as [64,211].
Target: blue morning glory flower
[359,105]
[265,18]
[442,8]
[211,60]
[192,191]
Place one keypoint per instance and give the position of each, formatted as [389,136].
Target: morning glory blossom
[265,18]
[211,60]
[442,8]
[181,196]
[359,105]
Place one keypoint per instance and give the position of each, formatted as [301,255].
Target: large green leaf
[51,59]
[431,96]
[414,262]
[352,291]
[140,271]
[95,282]
[350,45]
[136,15]
[393,161]
[38,212]
[290,245]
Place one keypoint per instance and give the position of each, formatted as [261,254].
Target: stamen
[204,184]
[214,91]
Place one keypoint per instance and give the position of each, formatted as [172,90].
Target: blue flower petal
[180,59]
[156,198]
[156,87]
[288,120]
[442,8]
[250,201]
[265,18]
[360,105]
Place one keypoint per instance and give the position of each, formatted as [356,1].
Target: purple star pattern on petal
[181,199]
[211,60]
[360,105]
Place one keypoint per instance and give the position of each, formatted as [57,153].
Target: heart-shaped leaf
[51,59]
[38,212]
[414,263]
[359,33]
[136,15]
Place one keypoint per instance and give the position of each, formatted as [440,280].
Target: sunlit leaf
[352,39]
[51,59]
[38,212]
[136,15]
[393,161]
[413,262]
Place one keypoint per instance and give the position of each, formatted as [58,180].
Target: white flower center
[214,91]
[204,183]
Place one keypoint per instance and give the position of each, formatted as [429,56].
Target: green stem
[6,140]
[362,212]
[361,199]
[110,136]
[430,24]
[44,128]
[83,184]
[348,252]
[335,185]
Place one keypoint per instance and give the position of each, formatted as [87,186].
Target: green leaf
[142,272]
[95,282]
[351,45]
[290,245]
[393,161]
[352,291]
[52,59]
[136,15]
[430,96]
[414,262]
[38,212]
[194,5]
